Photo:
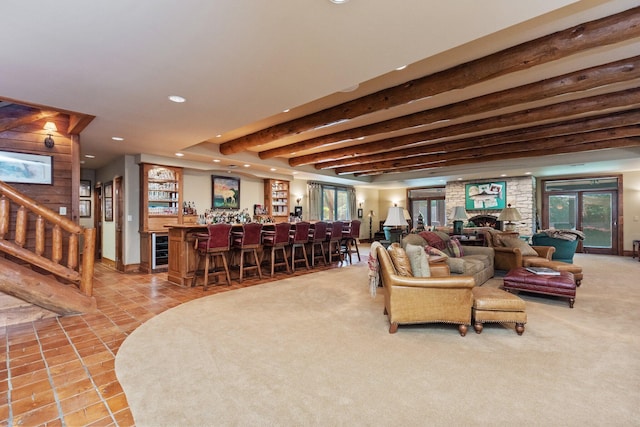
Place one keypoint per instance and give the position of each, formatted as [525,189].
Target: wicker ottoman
[576,270]
[496,305]
[563,285]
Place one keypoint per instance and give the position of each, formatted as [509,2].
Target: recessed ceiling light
[286,110]
[503,174]
[246,166]
[401,68]
[176,98]
[179,154]
[338,1]
[216,160]
[527,173]
[294,173]
[219,135]
[351,88]
[273,169]
[90,156]
[117,138]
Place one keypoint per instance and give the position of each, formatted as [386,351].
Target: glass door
[588,205]
[598,222]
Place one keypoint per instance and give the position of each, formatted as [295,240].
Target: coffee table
[562,285]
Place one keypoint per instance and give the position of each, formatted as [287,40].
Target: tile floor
[60,371]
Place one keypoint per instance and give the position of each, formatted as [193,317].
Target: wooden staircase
[33,242]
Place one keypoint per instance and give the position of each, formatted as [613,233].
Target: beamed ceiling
[506,102]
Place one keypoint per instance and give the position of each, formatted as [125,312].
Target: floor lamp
[371,215]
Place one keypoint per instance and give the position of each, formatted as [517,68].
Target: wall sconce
[50,127]
[298,199]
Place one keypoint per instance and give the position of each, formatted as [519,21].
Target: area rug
[315,350]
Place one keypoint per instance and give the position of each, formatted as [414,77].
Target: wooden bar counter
[182,255]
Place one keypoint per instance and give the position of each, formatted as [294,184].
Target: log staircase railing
[61,229]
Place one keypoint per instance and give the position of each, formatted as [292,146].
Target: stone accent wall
[521,194]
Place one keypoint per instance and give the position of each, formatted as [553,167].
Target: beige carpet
[315,350]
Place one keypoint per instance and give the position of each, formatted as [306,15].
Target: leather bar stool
[277,241]
[247,242]
[350,236]
[214,246]
[317,236]
[297,240]
[334,236]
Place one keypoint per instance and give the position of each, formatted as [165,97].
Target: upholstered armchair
[508,258]
[510,251]
[439,298]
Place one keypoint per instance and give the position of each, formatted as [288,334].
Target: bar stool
[317,236]
[350,236]
[334,236]
[277,240]
[214,244]
[246,242]
[297,240]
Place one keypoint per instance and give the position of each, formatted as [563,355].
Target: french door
[591,208]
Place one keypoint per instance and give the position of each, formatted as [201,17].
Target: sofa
[476,261]
[438,298]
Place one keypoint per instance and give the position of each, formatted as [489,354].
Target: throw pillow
[433,239]
[455,248]
[419,261]
[435,251]
[515,242]
[400,260]
[413,239]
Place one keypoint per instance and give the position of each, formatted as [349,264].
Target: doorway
[590,205]
[119,221]
[428,203]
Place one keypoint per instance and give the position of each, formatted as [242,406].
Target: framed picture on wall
[85,208]
[225,192]
[485,195]
[108,201]
[85,188]
[25,168]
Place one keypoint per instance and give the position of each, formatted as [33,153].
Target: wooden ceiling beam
[605,121]
[567,149]
[595,34]
[592,105]
[576,82]
[550,145]
[26,119]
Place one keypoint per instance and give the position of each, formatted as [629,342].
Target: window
[335,203]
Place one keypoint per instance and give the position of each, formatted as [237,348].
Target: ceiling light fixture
[117,138]
[90,156]
[179,155]
[401,68]
[177,98]
[338,1]
[216,160]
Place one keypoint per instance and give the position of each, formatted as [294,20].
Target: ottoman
[562,285]
[576,270]
[496,305]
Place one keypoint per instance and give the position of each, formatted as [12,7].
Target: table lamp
[395,219]
[459,216]
[509,214]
